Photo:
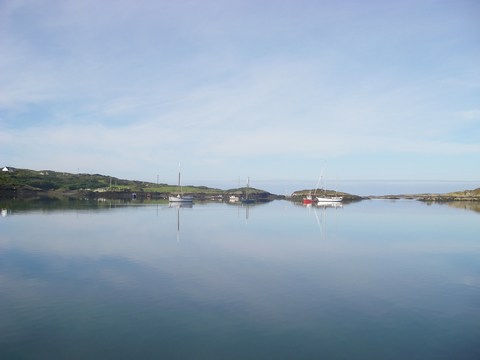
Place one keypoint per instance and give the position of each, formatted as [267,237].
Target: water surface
[369,280]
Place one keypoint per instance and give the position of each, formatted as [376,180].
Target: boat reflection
[178,205]
[320,211]
[328,204]
[323,204]
[246,206]
[247,211]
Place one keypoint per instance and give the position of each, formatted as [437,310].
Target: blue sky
[274,90]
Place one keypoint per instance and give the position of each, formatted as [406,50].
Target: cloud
[138,86]
[473,114]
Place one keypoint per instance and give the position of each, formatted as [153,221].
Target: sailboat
[328,199]
[307,200]
[247,200]
[180,198]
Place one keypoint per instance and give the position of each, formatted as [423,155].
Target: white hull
[180,199]
[329,199]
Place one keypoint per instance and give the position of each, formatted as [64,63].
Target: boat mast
[319,182]
[179,183]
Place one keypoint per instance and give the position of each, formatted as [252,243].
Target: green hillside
[53,180]
[466,193]
[30,183]
[48,180]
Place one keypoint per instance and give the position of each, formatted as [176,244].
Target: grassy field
[48,180]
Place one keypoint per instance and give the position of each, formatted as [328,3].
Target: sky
[280,90]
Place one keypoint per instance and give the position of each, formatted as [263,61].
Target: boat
[246,200]
[328,199]
[308,200]
[180,198]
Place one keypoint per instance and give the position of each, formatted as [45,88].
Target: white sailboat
[180,198]
[325,199]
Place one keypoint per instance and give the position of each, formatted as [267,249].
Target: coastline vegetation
[25,183]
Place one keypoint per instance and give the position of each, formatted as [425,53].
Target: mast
[179,183]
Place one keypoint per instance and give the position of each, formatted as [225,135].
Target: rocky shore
[465,195]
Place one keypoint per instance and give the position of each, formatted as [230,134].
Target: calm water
[369,280]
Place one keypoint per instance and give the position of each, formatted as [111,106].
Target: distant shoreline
[29,184]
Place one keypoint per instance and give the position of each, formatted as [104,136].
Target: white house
[5,169]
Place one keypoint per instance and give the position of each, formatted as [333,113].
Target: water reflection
[332,204]
[114,283]
[178,206]
[465,205]
[245,208]
[320,211]
[13,207]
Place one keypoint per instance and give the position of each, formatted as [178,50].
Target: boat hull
[308,200]
[329,199]
[180,199]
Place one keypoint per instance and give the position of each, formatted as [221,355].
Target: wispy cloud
[230,85]
[473,114]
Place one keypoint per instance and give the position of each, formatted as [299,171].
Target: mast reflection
[322,219]
[178,206]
